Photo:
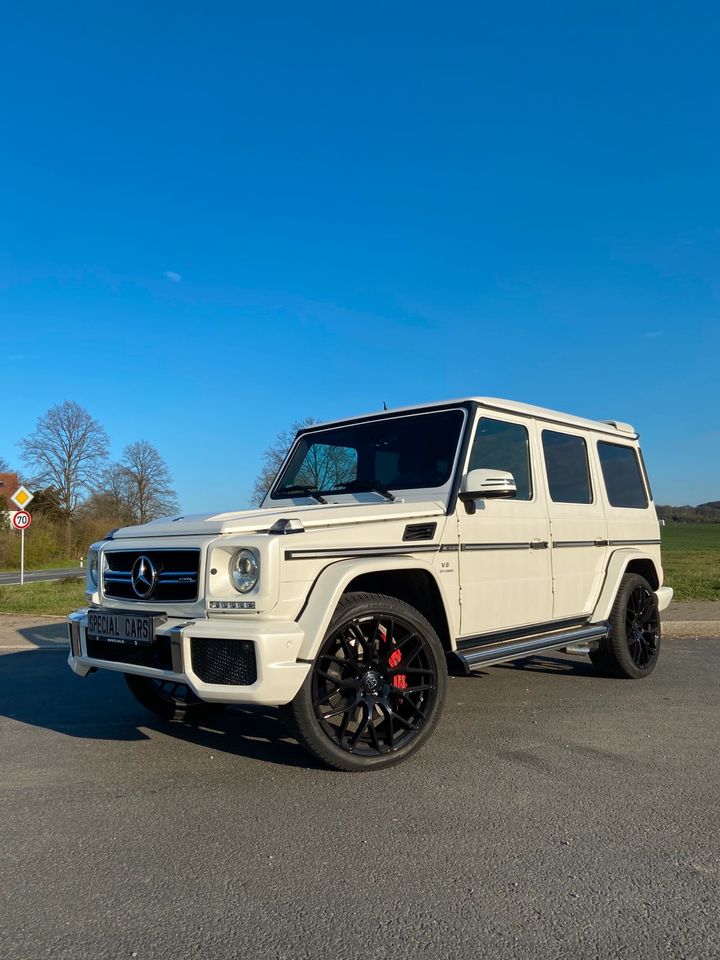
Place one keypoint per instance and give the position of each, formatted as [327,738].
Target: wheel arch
[404,578]
[622,562]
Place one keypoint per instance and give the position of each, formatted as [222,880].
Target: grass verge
[691,560]
[690,554]
[54,598]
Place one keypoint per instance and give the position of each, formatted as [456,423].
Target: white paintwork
[303,574]
[487,483]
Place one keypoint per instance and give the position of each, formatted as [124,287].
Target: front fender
[331,584]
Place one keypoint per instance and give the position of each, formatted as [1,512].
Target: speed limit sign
[21,520]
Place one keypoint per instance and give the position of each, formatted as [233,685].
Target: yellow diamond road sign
[22,497]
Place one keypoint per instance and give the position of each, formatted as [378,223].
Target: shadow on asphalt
[570,666]
[39,689]
[42,635]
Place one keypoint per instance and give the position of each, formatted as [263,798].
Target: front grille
[177,575]
[224,661]
[156,654]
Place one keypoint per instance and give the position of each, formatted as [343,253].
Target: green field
[691,560]
[54,598]
[690,554]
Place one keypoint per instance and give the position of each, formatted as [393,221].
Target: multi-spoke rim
[374,684]
[642,627]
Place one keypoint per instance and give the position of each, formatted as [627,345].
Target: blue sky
[217,218]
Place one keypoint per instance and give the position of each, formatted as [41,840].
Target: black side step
[487,654]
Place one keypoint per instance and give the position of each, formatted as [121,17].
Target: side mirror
[483,484]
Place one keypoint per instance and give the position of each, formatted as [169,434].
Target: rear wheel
[169,699]
[631,649]
[376,689]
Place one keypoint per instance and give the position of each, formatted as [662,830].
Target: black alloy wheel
[169,699]
[632,647]
[377,686]
[642,626]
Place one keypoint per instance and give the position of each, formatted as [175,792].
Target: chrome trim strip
[632,543]
[361,552]
[579,543]
[495,546]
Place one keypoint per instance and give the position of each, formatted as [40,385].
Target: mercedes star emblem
[143,577]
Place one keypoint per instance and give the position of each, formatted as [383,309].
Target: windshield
[401,453]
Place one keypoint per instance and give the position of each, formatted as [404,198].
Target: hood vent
[419,531]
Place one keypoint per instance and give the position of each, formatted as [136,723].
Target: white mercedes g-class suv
[389,548]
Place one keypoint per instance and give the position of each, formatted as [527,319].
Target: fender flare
[615,571]
[331,584]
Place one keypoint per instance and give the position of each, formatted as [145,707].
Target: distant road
[34,575]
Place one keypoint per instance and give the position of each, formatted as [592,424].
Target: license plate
[120,626]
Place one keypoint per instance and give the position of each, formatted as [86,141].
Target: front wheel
[632,647]
[169,699]
[376,689]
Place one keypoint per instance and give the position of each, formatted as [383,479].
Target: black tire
[170,699]
[381,671]
[632,647]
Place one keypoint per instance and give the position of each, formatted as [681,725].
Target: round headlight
[94,566]
[244,570]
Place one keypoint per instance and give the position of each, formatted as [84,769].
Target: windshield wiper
[372,486]
[306,491]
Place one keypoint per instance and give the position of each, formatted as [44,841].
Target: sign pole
[21,498]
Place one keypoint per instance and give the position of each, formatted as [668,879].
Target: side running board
[484,655]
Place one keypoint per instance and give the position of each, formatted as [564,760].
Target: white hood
[259,521]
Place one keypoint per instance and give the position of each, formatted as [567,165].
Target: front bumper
[276,646]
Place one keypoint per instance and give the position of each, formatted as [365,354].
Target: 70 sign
[21,520]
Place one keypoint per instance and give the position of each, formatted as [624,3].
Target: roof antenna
[384,405]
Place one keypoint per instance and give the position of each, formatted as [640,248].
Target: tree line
[79,493]
[703,513]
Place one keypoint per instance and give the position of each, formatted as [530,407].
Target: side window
[566,463]
[621,473]
[499,445]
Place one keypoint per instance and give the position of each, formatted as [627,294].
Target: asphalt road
[553,814]
[31,576]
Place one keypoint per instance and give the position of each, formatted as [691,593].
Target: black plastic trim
[579,543]
[502,546]
[414,532]
[632,543]
[361,552]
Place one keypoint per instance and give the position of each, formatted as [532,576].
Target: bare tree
[66,452]
[142,479]
[273,458]
[4,465]
[111,501]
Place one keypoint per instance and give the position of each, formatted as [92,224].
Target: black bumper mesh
[224,661]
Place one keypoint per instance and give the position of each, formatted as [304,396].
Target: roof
[613,427]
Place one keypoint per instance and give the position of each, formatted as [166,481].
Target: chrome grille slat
[178,575]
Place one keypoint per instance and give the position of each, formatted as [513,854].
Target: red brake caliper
[400,679]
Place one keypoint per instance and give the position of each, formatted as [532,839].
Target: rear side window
[500,445]
[621,473]
[566,463]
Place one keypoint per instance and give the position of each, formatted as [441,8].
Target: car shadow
[42,635]
[37,688]
[570,666]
